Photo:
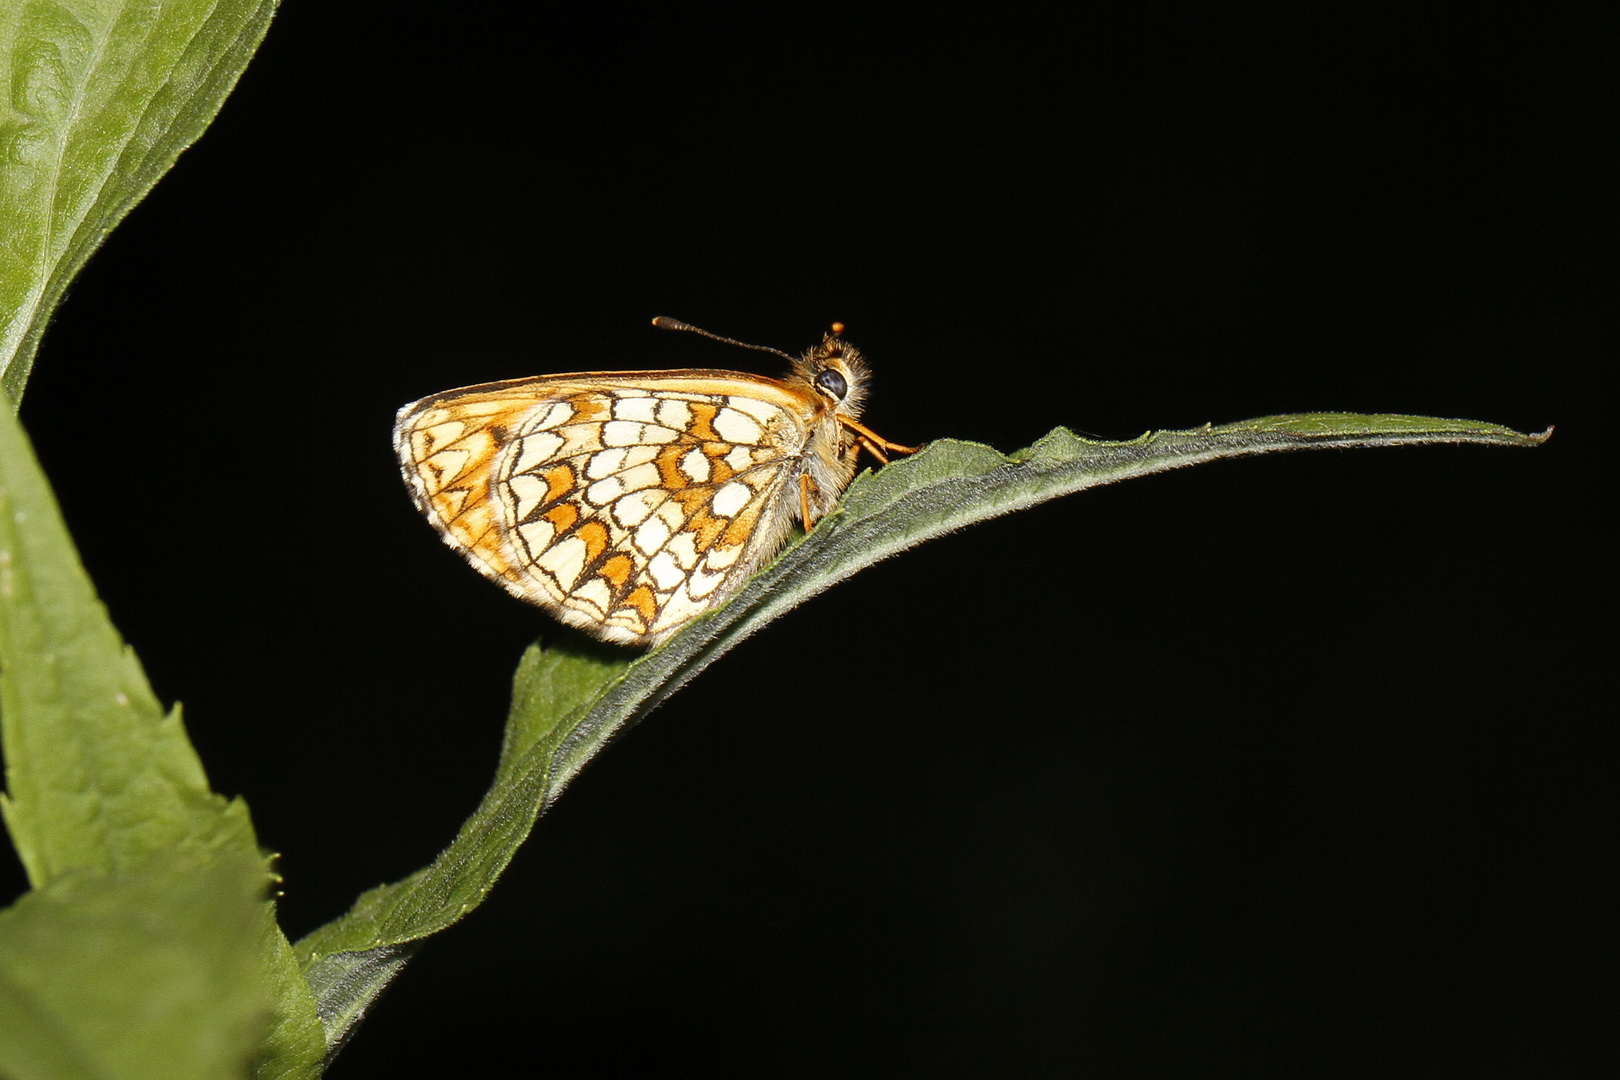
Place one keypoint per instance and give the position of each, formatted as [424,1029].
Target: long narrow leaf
[569,703]
[98,777]
[97,100]
[106,799]
[150,972]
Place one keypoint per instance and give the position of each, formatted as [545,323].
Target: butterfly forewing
[626,502]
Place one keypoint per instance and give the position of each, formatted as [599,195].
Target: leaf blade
[146,972]
[100,99]
[570,702]
[98,776]
[101,783]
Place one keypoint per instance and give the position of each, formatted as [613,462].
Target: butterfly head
[835,373]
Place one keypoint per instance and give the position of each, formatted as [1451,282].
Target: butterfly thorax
[834,375]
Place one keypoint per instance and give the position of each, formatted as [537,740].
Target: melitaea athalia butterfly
[627,502]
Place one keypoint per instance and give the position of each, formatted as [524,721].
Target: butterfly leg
[874,443]
[872,448]
[805,486]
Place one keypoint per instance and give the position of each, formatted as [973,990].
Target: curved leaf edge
[572,699]
[143,82]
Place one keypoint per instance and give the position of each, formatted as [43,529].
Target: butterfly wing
[625,503]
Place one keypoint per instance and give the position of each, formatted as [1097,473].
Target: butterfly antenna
[664,322]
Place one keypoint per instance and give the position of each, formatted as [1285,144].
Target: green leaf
[372,942]
[149,972]
[97,776]
[293,1047]
[102,786]
[569,702]
[99,99]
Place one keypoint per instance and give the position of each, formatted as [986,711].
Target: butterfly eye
[831,383]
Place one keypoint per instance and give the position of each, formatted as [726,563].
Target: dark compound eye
[832,383]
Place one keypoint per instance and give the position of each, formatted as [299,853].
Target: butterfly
[627,503]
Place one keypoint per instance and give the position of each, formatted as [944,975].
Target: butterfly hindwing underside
[626,503]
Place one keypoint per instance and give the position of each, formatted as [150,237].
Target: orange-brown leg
[871,448]
[805,484]
[875,443]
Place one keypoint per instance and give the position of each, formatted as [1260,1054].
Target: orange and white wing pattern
[626,503]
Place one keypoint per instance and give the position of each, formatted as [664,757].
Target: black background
[1290,766]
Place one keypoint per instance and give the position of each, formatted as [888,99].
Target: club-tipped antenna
[664,322]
